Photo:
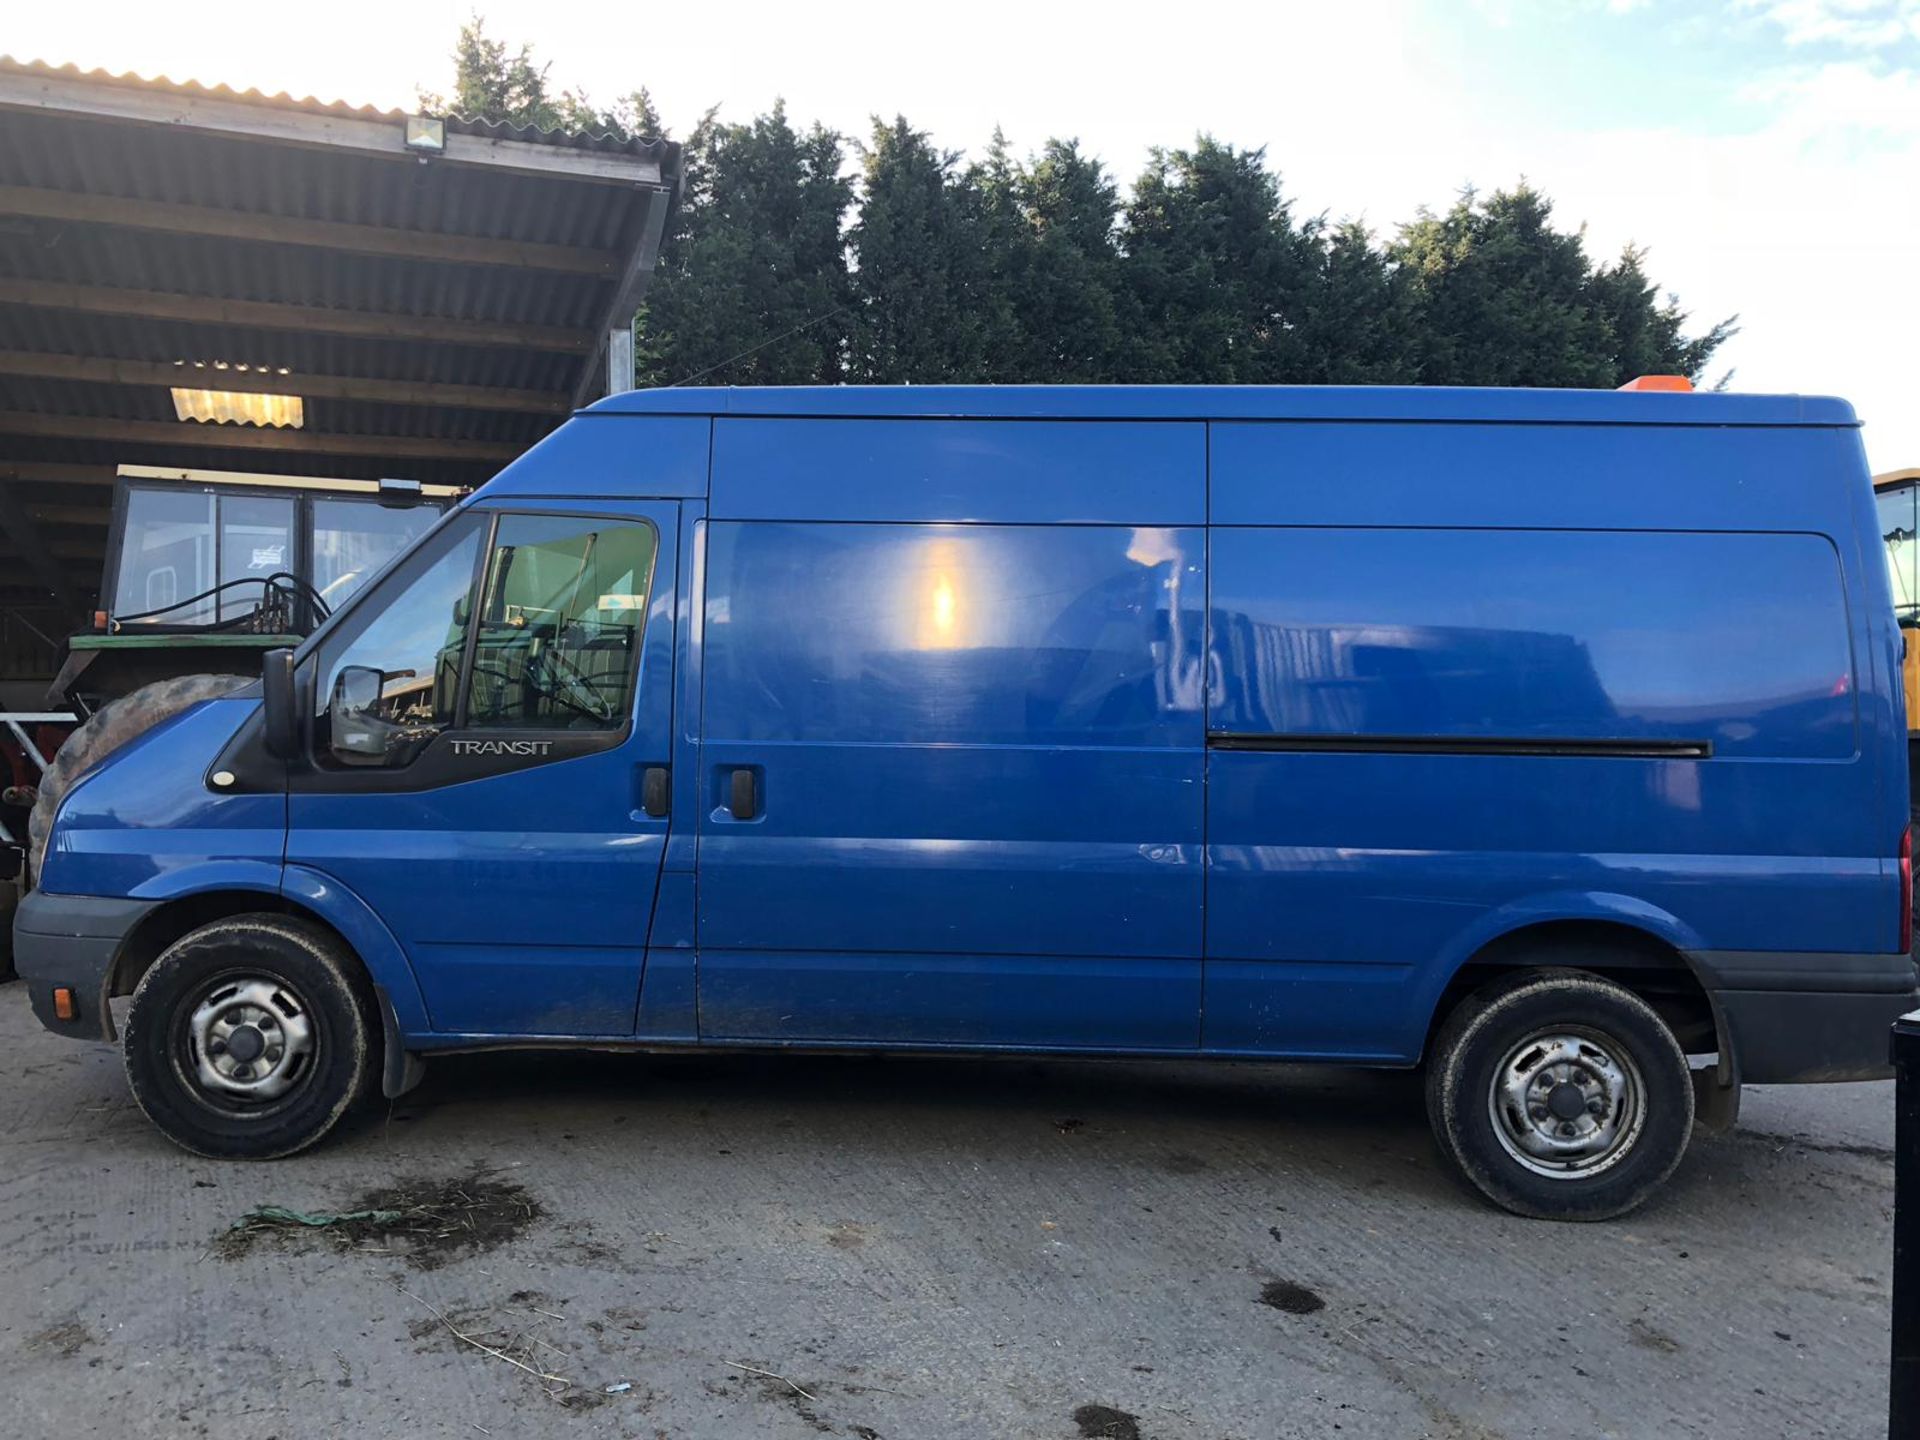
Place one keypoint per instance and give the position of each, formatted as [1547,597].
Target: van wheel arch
[1634,958]
[400,1070]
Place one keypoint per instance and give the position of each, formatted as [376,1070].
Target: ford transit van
[1553,741]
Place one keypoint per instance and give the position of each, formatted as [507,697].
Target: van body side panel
[662,456]
[978,750]
[1003,472]
[1427,730]
[1571,477]
[1735,642]
[149,826]
[1878,640]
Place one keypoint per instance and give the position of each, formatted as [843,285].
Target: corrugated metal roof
[603,142]
[303,353]
[135,162]
[111,221]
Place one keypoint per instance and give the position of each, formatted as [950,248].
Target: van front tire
[1559,1095]
[249,1038]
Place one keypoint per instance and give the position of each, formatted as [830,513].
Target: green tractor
[205,572]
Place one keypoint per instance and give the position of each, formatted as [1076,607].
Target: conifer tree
[780,267]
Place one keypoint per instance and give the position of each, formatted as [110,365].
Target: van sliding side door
[952,734]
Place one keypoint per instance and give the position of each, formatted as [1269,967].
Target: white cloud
[1852,106]
[1807,225]
[1861,24]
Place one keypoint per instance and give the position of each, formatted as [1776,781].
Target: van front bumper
[71,941]
[1796,1018]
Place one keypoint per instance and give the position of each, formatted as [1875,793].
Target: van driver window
[407,656]
[560,621]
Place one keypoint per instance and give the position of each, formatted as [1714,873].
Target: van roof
[1237,402]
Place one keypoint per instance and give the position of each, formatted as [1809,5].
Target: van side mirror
[281,713]
[359,734]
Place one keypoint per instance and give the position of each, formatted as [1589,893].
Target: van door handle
[656,790]
[741,799]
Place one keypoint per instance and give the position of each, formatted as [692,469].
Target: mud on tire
[104,732]
[251,1037]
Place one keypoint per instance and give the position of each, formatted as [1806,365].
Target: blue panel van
[1553,741]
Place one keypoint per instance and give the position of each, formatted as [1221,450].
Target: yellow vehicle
[1897,493]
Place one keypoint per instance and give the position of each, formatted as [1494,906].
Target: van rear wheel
[249,1038]
[1560,1096]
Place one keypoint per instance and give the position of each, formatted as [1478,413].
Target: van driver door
[488,772]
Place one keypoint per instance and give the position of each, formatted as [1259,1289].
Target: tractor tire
[110,727]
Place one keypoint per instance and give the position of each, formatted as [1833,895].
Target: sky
[1766,153]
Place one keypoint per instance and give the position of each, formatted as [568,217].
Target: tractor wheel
[110,727]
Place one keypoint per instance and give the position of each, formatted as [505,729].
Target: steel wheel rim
[246,1043]
[1567,1103]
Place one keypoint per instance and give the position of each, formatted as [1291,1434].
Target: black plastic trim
[1807,971]
[403,1069]
[454,757]
[1793,1016]
[1792,1037]
[72,940]
[1461,745]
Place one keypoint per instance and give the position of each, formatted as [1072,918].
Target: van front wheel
[249,1038]
[1560,1095]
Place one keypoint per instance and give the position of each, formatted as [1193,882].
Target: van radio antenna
[784,334]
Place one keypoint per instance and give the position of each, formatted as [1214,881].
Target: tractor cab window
[195,558]
[256,544]
[167,557]
[1899,519]
[271,556]
[353,539]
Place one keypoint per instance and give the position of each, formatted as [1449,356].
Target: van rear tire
[1559,1095]
[249,1038]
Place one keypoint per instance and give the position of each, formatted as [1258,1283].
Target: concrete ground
[914,1249]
